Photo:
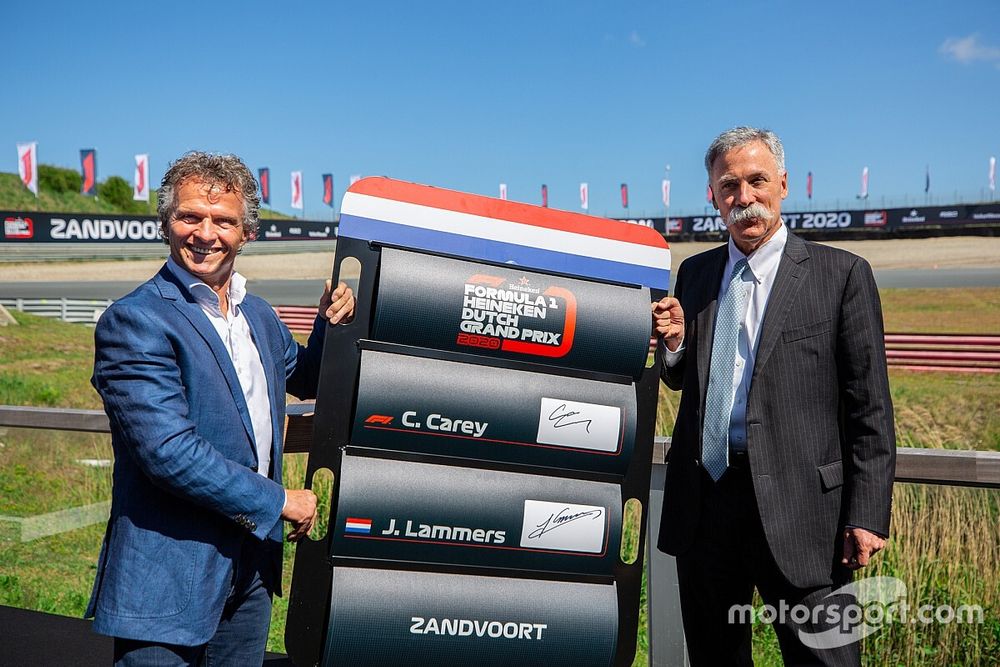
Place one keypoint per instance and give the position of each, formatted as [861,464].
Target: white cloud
[968,50]
[636,40]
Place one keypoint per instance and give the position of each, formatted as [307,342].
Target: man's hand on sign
[337,305]
[300,511]
[668,322]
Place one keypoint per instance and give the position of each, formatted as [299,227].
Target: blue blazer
[186,492]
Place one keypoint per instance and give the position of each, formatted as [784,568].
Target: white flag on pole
[140,185]
[864,183]
[993,173]
[584,197]
[27,165]
[297,190]
[666,192]
[503,191]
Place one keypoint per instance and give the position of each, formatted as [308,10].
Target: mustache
[755,211]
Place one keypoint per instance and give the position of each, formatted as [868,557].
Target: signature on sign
[563,517]
[562,417]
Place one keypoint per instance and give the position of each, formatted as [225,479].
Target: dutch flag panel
[358,526]
[466,225]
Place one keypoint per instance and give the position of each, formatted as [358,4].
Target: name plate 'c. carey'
[493,414]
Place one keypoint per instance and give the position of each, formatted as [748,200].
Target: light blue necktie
[719,396]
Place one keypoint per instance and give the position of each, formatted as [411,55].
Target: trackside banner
[415,404]
[891,219]
[30,227]
[511,313]
[405,511]
[395,618]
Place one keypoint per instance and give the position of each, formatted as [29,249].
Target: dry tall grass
[945,542]
[945,547]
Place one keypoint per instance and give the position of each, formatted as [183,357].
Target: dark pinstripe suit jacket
[819,416]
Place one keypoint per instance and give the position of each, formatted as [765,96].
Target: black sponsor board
[391,618]
[659,224]
[944,216]
[926,215]
[448,304]
[31,227]
[493,414]
[981,214]
[293,230]
[408,511]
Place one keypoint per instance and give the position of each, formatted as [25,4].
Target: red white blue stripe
[455,223]
[358,526]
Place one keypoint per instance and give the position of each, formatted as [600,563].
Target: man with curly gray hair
[193,371]
[228,171]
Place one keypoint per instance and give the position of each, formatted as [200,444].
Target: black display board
[480,484]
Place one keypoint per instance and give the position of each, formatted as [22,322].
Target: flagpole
[666,204]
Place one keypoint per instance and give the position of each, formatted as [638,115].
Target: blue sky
[466,95]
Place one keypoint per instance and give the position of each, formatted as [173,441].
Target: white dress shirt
[234,331]
[762,266]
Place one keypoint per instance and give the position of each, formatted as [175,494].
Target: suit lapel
[792,271]
[171,291]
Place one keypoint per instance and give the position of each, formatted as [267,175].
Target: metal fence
[666,638]
[86,311]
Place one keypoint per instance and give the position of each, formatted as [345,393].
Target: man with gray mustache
[782,458]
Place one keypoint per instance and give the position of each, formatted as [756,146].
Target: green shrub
[58,179]
[117,191]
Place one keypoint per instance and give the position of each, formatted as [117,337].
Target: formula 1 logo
[512,316]
[382,420]
[18,228]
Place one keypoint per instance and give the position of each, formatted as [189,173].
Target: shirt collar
[764,259]
[205,295]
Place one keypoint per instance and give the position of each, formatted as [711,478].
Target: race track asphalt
[306,292]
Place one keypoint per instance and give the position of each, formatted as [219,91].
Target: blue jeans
[240,638]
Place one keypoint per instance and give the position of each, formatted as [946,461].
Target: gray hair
[741,136]
[227,171]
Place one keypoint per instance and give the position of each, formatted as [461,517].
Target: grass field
[945,544]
